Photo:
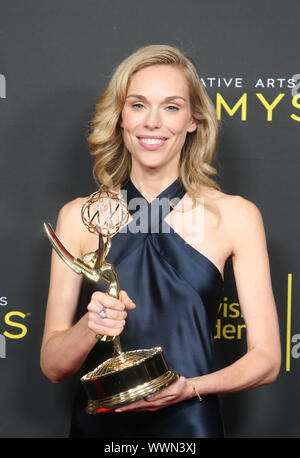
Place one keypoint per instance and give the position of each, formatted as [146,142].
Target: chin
[152,165]
[151,162]
[154,161]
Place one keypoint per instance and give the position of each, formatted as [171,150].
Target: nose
[152,119]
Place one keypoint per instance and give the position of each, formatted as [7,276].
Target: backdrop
[56,59]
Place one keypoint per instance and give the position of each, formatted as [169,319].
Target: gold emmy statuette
[127,376]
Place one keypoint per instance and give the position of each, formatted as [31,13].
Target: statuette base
[127,378]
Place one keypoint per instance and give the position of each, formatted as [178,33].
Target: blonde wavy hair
[112,163]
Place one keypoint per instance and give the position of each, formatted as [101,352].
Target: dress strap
[149,216]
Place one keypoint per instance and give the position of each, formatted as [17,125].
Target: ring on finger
[103,313]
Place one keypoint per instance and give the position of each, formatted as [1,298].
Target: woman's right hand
[115,310]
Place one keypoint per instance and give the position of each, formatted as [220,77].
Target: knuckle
[91,326]
[112,331]
[105,301]
[90,317]
[89,306]
[119,315]
[119,306]
[96,295]
[118,324]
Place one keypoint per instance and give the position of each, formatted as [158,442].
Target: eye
[172,108]
[138,106]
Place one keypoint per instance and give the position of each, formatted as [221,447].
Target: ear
[193,125]
[120,122]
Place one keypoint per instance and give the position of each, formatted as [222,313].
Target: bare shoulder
[70,228]
[72,209]
[234,208]
[241,219]
[69,217]
[240,213]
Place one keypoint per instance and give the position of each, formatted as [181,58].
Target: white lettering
[222,82]
[169,447]
[3,300]
[124,448]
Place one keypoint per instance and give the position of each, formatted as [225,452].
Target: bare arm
[261,363]
[65,343]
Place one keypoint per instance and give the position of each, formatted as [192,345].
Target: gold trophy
[129,376]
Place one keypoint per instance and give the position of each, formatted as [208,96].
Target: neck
[151,184]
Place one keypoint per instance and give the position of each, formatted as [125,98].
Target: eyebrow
[166,99]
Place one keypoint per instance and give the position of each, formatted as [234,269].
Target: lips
[151,142]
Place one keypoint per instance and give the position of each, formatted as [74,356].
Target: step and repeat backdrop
[56,60]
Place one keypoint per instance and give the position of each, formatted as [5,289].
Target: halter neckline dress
[177,291]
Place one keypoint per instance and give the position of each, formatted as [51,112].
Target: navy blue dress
[176,290]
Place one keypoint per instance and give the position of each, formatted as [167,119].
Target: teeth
[151,141]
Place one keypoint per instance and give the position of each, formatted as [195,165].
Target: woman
[154,136]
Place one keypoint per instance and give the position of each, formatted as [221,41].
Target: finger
[133,406]
[129,304]
[106,327]
[167,392]
[104,331]
[162,393]
[105,300]
[144,405]
[113,314]
[160,396]
[107,322]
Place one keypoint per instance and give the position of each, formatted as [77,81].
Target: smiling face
[156,118]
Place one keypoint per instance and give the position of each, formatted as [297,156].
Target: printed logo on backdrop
[230,326]
[13,325]
[2,86]
[270,103]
